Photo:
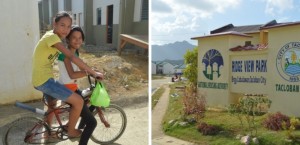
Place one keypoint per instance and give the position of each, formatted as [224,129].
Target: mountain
[172,51]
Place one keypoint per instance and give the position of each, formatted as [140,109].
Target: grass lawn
[229,124]
[155,97]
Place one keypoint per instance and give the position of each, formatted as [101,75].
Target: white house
[179,69]
[153,68]
[102,20]
[165,68]
[78,12]
[20,31]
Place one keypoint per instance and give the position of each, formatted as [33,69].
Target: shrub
[193,104]
[277,121]
[249,106]
[207,129]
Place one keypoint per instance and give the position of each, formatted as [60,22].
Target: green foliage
[191,62]
[194,105]
[294,122]
[248,107]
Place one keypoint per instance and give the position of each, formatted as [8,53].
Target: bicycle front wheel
[26,130]
[116,118]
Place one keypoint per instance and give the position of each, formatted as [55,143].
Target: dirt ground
[125,75]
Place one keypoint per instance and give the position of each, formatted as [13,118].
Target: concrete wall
[103,5]
[139,28]
[255,38]
[100,35]
[283,100]
[61,5]
[77,8]
[88,21]
[217,90]
[137,10]
[127,17]
[21,29]
[214,96]
[45,12]
[68,5]
[266,71]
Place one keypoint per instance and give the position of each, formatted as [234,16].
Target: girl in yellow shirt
[46,51]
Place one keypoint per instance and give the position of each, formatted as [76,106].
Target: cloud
[274,7]
[160,6]
[186,16]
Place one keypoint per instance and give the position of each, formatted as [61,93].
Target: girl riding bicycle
[68,73]
[46,51]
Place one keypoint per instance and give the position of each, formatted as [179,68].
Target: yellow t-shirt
[43,57]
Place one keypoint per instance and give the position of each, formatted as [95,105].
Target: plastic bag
[100,96]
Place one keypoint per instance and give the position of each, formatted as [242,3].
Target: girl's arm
[77,60]
[73,74]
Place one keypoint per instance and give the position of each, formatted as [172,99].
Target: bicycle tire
[20,130]
[113,114]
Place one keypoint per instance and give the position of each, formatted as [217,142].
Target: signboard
[248,74]
[288,67]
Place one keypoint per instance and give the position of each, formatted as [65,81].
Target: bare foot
[74,133]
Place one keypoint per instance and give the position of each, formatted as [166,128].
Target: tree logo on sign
[212,64]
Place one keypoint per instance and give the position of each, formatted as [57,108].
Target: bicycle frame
[60,130]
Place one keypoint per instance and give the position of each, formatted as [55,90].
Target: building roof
[281,25]
[182,66]
[230,29]
[156,62]
[249,47]
[242,29]
[224,33]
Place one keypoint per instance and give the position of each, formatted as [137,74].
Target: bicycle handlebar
[92,85]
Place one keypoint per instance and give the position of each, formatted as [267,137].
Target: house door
[109,24]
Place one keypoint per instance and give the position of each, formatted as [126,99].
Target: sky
[179,20]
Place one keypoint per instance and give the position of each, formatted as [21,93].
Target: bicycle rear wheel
[117,120]
[26,130]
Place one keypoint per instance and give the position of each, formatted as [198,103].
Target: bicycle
[111,122]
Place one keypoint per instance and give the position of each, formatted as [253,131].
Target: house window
[75,18]
[144,15]
[98,16]
[247,43]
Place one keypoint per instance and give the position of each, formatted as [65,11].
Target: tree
[191,62]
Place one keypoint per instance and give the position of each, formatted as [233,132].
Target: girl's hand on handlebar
[98,76]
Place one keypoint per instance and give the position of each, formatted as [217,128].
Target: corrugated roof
[240,29]
[246,29]
[281,25]
[243,29]
[224,33]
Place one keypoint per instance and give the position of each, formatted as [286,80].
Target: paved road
[158,137]
[136,132]
[159,82]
